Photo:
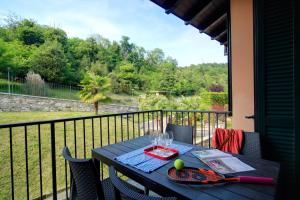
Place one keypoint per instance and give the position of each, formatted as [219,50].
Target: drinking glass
[154,138]
[164,139]
[159,139]
[170,138]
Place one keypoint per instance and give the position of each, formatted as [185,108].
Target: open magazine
[221,162]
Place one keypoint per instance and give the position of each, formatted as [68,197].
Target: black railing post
[225,120]
[162,121]
[195,129]
[54,190]
[11,164]
[84,145]
[40,161]
[208,130]
[26,162]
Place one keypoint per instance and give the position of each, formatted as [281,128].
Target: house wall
[242,64]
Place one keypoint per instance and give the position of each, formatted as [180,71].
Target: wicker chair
[251,145]
[122,189]
[85,183]
[181,133]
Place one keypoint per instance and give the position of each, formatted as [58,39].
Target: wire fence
[15,85]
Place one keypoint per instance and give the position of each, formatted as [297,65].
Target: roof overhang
[208,16]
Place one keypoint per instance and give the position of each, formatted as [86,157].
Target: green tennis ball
[178,164]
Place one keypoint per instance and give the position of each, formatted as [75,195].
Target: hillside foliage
[27,46]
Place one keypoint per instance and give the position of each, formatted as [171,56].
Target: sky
[144,22]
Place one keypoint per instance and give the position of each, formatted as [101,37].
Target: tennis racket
[190,175]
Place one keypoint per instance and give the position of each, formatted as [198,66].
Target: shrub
[152,102]
[216,88]
[215,98]
[192,103]
[35,85]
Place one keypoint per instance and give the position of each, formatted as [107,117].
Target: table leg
[97,166]
[146,191]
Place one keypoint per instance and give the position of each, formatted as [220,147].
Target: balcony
[32,166]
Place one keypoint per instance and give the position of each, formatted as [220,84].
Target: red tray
[161,153]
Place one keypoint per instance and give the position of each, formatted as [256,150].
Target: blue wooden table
[159,183]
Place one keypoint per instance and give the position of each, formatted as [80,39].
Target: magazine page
[210,153]
[226,165]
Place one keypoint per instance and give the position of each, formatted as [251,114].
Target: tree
[94,89]
[73,55]
[167,78]
[15,55]
[55,34]
[26,45]
[49,61]
[5,57]
[137,58]
[114,56]
[126,47]
[30,33]
[99,68]
[155,57]
[125,79]
[109,54]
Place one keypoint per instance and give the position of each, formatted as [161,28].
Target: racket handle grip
[260,180]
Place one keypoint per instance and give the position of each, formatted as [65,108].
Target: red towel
[228,140]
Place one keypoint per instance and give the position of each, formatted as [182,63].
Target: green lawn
[18,139]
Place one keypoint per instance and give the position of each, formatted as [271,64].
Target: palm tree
[94,89]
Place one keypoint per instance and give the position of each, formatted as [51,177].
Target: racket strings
[195,175]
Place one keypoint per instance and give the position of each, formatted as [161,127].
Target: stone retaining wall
[23,103]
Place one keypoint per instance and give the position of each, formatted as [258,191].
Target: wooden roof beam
[205,28]
[223,38]
[218,37]
[224,43]
[211,23]
[171,5]
[210,13]
[218,32]
[218,16]
[198,7]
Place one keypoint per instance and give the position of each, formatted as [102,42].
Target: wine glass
[154,138]
[164,139]
[169,138]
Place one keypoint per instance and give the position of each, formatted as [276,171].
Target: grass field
[19,154]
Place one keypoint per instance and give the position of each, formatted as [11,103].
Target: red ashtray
[161,152]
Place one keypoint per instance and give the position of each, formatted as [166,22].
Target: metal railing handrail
[202,111]
[73,118]
[104,115]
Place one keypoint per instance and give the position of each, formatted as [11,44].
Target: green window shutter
[279,85]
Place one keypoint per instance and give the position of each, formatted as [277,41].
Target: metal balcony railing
[31,163]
